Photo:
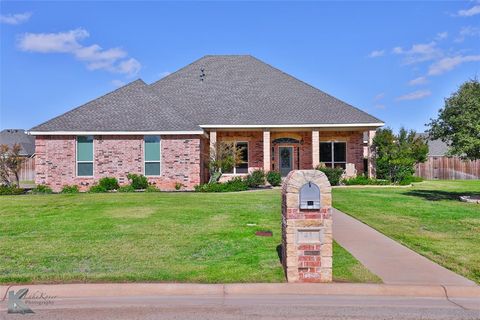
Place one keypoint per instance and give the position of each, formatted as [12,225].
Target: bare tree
[224,156]
[10,163]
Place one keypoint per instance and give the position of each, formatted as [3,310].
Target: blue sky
[395,60]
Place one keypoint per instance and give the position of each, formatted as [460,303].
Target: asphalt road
[254,307]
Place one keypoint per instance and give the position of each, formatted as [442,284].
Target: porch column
[266,150]
[213,142]
[371,157]
[315,148]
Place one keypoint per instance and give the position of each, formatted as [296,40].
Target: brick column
[266,150]
[315,148]
[213,141]
[371,158]
[307,232]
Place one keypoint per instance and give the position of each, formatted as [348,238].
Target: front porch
[289,149]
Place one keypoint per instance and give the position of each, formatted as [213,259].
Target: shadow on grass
[436,195]
[279,253]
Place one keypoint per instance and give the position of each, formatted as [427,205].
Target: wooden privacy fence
[448,168]
[27,172]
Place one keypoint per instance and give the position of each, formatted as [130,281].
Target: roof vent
[202,74]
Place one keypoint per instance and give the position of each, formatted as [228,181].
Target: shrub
[97,189]
[178,186]
[70,189]
[363,180]
[274,178]
[333,174]
[138,181]
[152,188]
[109,183]
[128,188]
[42,189]
[417,179]
[10,190]
[255,179]
[236,184]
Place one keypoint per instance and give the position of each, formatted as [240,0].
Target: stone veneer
[116,156]
[306,261]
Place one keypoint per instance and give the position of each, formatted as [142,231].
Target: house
[440,165]
[166,130]
[10,137]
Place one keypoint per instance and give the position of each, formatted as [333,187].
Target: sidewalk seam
[448,299]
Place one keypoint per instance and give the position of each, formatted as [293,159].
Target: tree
[458,122]
[224,156]
[397,155]
[10,163]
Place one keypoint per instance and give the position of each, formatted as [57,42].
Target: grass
[184,237]
[427,218]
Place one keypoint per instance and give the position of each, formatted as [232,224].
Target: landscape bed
[429,218]
[165,237]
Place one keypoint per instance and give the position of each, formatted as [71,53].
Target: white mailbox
[309,196]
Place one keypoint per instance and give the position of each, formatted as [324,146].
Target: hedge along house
[166,130]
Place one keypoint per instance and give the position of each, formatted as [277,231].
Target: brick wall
[116,156]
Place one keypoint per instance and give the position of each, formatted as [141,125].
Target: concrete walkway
[391,261]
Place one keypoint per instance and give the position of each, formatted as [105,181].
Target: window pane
[242,168]
[152,148]
[85,169]
[152,168]
[325,152]
[340,152]
[85,148]
[243,147]
[340,165]
[328,164]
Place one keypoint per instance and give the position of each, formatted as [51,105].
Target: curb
[183,289]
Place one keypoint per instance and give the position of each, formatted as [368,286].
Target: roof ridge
[98,98]
[311,86]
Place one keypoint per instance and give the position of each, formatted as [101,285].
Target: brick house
[166,130]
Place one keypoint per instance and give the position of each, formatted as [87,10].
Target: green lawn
[148,237]
[428,218]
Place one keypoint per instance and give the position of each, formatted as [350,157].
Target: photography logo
[15,302]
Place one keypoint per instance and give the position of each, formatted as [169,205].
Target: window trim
[145,160]
[234,173]
[82,161]
[333,153]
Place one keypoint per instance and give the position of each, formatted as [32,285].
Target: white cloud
[130,66]
[469,12]
[418,81]
[467,32]
[118,83]
[379,96]
[96,58]
[415,95]
[16,18]
[52,42]
[419,52]
[379,106]
[376,53]
[442,35]
[448,64]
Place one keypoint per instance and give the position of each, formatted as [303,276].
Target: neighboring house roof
[226,90]
[436,148]
[13,136]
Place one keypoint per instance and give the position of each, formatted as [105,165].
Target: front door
[286,160]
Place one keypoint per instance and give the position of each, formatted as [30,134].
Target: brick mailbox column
[307,227]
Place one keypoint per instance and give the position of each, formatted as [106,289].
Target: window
[333,154]
[152,155]
[242,167]
[85,156]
